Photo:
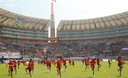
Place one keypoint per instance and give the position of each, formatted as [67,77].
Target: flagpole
[52,8]
[52,36]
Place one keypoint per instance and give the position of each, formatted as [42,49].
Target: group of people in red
[59,63]
[93,62]
[64,62]
[12,65]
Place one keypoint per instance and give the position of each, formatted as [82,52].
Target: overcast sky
[66,9]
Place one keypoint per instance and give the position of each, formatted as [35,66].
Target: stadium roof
[120,19]
[14,20]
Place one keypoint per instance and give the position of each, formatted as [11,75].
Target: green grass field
[78,71]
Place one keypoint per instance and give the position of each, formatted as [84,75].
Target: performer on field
[98,63]
[29,67]
[14,63]
[92,64]
[10,68]
[109,62]
[48,63]
[64,64]
[120,64]
[87,62]
[58,67]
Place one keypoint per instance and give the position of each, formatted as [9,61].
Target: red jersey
[14,62]
[33,63]
[93,62]
[48,63]
[87,60]
[30,64]
[120,61]
[58,64]
[10,65]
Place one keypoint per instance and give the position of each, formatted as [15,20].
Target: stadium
[83,36]
[23,37]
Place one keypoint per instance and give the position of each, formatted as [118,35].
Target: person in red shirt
[18,62]
[109,62]
[120,64]
[92,64]
[48,63]
[87,62]
[64,64]
[30,67]
[10,68]
[14,63]
[58,67]
[98,63]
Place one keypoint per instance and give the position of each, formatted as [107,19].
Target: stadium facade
[16,27]
[110,28]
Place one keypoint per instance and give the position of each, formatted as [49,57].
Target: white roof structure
[120,19]
[8,18]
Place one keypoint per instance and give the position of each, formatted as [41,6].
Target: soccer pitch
[40,71]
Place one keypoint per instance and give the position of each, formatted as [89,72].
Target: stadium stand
[103,28]
[22,28]
[99,37]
